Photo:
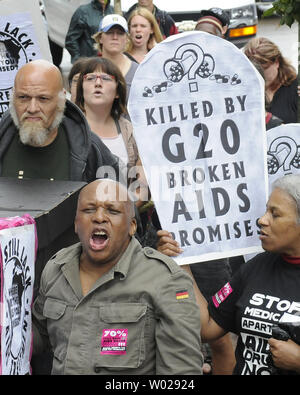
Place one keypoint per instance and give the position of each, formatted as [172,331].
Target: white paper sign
[18,249]
[197,107]
[23,38]
[283,151]
[283,155]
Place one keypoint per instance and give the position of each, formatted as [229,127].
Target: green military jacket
[139,318]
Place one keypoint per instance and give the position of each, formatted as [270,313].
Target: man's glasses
[103,77]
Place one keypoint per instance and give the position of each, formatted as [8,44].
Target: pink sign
[221,295]
[114,341]
[18,247]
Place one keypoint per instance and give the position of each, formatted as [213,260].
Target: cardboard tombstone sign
[197,108]
[283,154]
[283,151]
[23,38]
[18,246]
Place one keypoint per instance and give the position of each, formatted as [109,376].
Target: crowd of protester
[112,278]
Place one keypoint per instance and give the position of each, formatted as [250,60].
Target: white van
[242,13]
[263,5]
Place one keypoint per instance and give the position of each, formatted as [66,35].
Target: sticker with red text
[221,295]
[114,341]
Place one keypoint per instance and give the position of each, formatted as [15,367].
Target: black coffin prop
[53,206]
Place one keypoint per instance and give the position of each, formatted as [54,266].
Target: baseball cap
[218,13]
[113,20]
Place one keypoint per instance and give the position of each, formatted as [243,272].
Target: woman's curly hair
[261,50]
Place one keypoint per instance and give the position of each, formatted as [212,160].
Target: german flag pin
[183,294]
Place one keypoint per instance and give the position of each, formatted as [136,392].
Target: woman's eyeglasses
[103,77]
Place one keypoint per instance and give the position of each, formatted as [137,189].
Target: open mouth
[138,38]
[99,240]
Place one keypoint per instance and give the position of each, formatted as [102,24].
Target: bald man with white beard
[45,136]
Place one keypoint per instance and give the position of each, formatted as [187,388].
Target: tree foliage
[288,10]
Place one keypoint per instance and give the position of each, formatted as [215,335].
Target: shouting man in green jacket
[107,306]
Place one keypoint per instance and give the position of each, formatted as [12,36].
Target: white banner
[197,107]
[23,38]
[283,151]
[18,252]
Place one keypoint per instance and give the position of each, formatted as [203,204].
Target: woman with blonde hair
[280,77]
[144,33]
[110,41]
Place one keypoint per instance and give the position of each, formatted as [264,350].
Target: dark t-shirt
[284,103]
[50,162]
[263,291]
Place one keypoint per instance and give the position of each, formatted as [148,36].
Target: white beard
[34,133]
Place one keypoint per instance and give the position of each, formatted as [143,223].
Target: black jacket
[88,154]
[84,23]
